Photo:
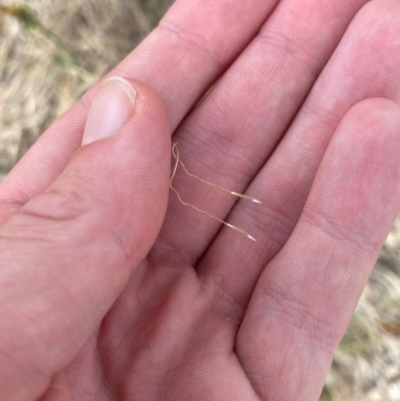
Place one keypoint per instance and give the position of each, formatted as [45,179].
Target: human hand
[208,314]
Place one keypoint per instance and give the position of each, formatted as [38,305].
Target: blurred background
[51,51]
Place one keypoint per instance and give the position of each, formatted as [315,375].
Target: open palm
[303,117]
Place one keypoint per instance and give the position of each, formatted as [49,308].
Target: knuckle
[303,318]
[61,215]
[65,203]
[338,230]
[195,41]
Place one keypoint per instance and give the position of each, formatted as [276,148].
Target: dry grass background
[41,77]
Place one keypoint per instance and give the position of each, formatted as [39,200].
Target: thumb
[69,253]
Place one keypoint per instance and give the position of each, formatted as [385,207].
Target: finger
[230,136]
[305,299]
[283,184]
[70,251]
[193,45]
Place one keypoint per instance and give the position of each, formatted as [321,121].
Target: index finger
[193,45]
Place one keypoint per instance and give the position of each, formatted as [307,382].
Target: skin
[98,304]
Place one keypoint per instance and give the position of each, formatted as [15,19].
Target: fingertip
[374,114]
[369,135]
[357,183]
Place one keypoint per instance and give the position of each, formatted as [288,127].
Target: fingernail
[111,109]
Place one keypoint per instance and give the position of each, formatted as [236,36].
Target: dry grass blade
[178,161]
